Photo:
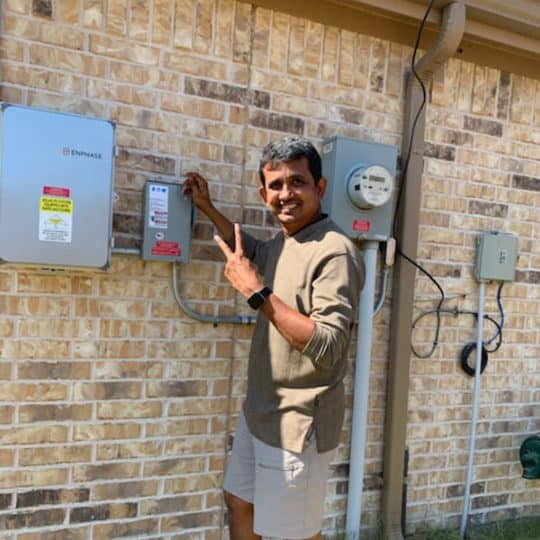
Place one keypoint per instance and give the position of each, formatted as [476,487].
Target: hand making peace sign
[239,270]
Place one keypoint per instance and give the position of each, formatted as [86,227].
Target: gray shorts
[286,489]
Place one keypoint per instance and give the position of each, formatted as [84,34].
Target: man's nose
[285,192]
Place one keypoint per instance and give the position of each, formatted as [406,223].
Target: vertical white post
[476,398]
[361,390]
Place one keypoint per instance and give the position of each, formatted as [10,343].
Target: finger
[238,249]
[223,246]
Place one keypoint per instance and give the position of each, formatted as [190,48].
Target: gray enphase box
[56,187]
[361,186]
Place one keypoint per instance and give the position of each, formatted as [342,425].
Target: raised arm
[197,187]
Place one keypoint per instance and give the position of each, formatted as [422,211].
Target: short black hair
[290,148]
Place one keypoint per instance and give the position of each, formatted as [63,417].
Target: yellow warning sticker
[56,204]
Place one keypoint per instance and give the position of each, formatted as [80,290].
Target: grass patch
[520,529]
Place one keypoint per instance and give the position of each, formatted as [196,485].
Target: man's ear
[322,184]
[262,193]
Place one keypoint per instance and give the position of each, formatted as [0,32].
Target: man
[305,283]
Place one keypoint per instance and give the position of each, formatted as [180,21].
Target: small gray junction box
[56,184]
[496,256]
[167,223]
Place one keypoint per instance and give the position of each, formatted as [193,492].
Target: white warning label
[55,219]
[158,206]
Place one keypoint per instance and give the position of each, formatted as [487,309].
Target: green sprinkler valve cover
[529,455]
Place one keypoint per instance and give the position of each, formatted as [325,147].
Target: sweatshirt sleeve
[335,294]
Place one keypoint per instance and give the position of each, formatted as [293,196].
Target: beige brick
[68,12]
[179,465]
[136,74]
[67,60]
[185,426]
[107,390]
[330,54]
[18,392]
[187,484]
[139,20]
[193,107]
[203,27]
[179,349]
[33,478]
[466,87]
[108,471]
[100,431]
[7,458]
[124,50]
[140,528]
[522,101]
[124,490]
[33,435]
[186,446]
[484,91]
[10,50]
[54,455]
[107,452]
[35,30]
[224,28]
[161,22]
[18,6]
[88,307]
[242,32]
[261,38]
[126,409]
[184,23]
[93,16]
[116,17]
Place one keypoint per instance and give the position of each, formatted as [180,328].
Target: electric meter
[370,187]
[361,186]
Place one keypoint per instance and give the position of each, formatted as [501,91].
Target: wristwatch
[257,299]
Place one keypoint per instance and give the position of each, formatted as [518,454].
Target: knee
[236,505]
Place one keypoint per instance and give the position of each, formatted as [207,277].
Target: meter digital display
[370,187]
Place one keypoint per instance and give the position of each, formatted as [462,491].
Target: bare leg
[240,518]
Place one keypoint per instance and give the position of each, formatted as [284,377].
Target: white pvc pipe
[476,398]
[361,389]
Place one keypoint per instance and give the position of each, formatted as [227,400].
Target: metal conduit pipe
[214,319]
[452,28]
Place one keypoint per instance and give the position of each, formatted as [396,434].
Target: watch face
[256,300]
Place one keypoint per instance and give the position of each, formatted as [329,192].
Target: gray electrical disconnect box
[167,223]
[361,190]
[496,256]
[56,184]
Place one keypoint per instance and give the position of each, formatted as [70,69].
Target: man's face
[291,194]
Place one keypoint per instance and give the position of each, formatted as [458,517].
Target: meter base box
[56,186]
[167,223]
[342,157]
[496,256]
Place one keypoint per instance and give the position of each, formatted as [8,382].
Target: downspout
[452,28]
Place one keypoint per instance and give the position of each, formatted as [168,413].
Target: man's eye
[275,185]
[298,182]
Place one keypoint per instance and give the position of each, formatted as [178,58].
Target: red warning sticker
[165,248]
[55,191]
[361,225]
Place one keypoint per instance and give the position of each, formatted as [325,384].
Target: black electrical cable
[405,165]
[470,347]
[455,312]
[404,169]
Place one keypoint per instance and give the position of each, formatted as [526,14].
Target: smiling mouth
[288,207]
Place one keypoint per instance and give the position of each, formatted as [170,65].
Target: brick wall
[116,405]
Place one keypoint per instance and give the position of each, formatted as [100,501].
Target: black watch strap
[257,299]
